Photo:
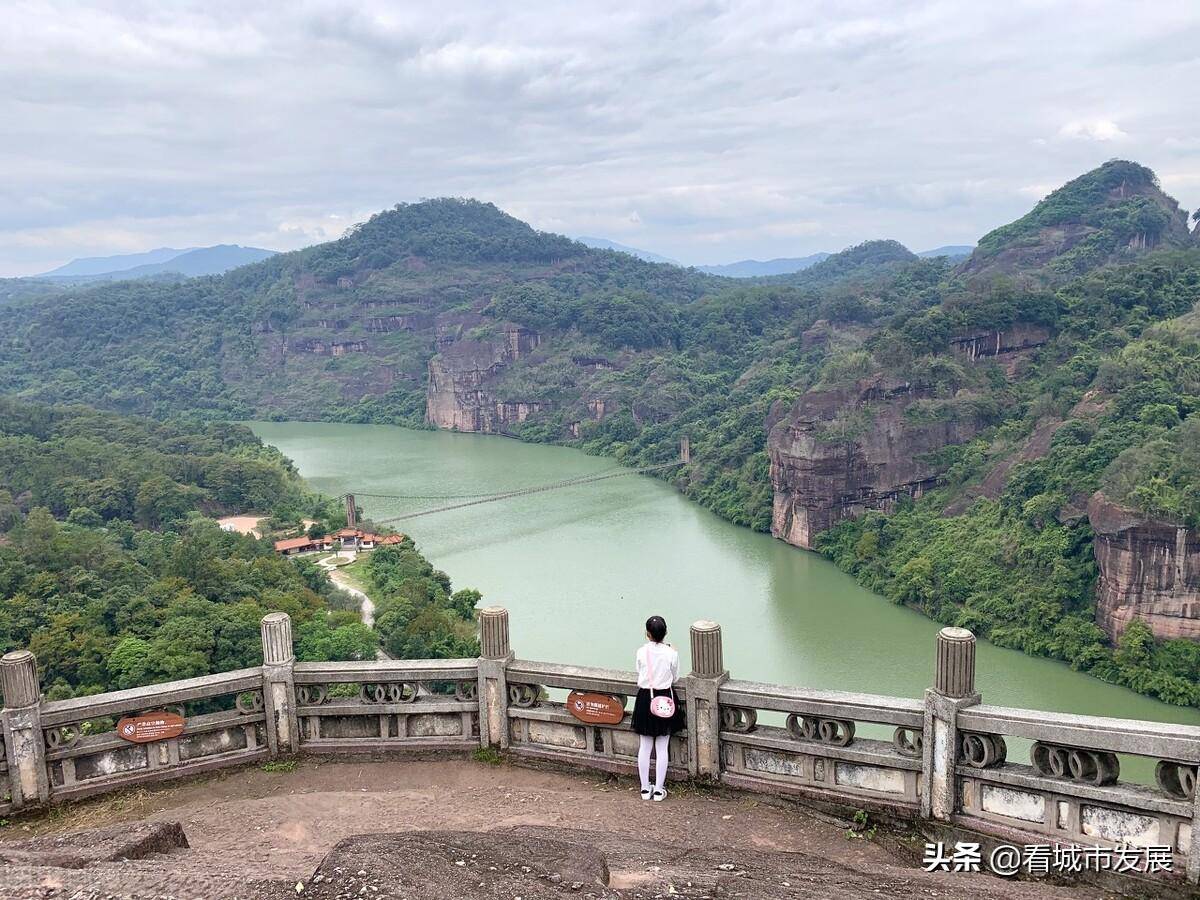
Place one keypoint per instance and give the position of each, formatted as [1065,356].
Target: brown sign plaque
[150,727]
[595,709]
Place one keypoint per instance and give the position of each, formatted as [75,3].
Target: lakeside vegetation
[114,574]
[417,614]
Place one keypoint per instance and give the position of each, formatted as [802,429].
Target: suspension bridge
[461,501]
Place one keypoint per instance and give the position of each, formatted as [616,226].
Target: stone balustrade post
[24,744]
[494,656]
[703,705]
[279,684]
[953,689]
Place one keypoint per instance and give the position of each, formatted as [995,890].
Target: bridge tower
[351,512]
[685,449]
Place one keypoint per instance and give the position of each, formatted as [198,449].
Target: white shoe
[646,792]
[660,794]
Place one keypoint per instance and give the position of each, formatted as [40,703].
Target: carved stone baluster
[279,684]
[739,719]
[703,703]
[466,691]
[908,741]
[1096,767]
[1176,779]
[953,689]
[981,751]
[524,695]
[23,739]
[495,656]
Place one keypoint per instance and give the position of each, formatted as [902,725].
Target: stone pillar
[495,655]
[703,705]
[279,685]
[24,745]
[953,689]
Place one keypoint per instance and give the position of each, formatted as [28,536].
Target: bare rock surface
[75,850]
[842,451]
[1149,571]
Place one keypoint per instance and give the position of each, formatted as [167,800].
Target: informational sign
[150,727]
[595,709]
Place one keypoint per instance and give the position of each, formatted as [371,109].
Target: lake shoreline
[624,539]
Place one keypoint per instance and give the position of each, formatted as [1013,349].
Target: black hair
[656,627]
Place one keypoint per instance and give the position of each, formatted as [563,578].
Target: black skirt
[645,723]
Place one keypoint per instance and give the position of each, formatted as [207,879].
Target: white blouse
[657,666]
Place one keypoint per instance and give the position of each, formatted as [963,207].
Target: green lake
[581,568]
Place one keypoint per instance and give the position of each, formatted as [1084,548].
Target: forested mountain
[982,441]
[1108,215]
[342,330]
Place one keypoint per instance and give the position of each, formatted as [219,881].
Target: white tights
[660,760]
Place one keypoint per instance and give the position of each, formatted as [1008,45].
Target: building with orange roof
[350,538]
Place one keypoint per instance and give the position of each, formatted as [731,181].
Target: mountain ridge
[189,263]
[100,265]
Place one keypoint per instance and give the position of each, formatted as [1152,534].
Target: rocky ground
[441,830]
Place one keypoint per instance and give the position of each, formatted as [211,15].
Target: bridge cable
[521,492]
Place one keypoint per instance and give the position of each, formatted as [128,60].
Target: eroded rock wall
[838,453]
[460,392]
[1149,570]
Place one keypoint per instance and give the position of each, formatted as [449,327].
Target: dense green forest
[417,615]
[623,357]
[113,573]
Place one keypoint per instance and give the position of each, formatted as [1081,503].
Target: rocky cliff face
[460,393]
[1149,570]
[838,453]
[998,344]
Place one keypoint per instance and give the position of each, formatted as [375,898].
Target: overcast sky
[707,132]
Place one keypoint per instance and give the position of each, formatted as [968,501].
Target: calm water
[580,569]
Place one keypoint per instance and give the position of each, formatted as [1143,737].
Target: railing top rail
[1165,740]
[58,712]
[391,669]
[593,678]
[837,704]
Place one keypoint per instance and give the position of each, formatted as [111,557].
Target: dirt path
[280,825]
[365,605]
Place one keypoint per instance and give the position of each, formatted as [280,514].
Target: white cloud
[1093,130]
[704,131]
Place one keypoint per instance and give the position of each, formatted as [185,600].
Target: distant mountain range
[952,251]
[188,262]
[754,268]
[604,244]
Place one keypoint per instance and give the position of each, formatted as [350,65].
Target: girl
[657,669]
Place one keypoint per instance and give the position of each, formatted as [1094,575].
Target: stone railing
[942,758]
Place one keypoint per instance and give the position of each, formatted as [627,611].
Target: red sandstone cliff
[840,452]
[459,395]
[1149,570]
